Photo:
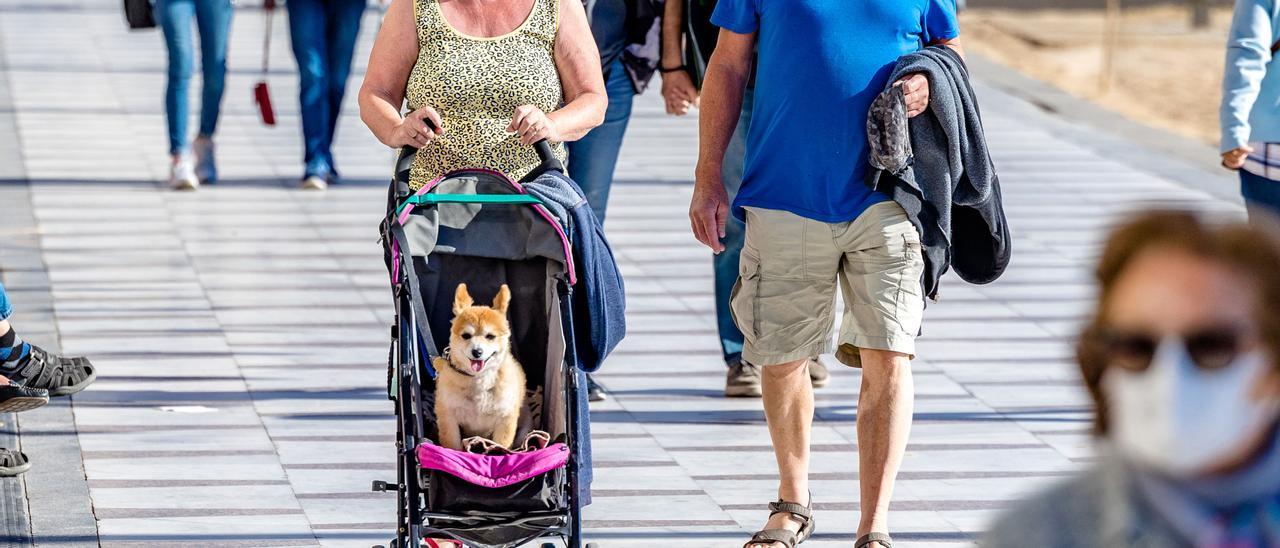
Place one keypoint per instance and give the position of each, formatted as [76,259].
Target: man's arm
[726,79]
[727,75]
[953,43]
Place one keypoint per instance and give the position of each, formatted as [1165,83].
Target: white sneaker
[314,182]
[206,169]
[183,176]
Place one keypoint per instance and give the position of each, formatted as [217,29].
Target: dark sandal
[15,398]
[60,376]
[787,537]
[13,463]
[867,539]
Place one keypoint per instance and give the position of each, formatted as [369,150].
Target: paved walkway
[241,331]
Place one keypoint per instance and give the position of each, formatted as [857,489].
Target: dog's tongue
[477,365]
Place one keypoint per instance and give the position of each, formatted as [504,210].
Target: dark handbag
[700,37]
[139,14]
[262,95]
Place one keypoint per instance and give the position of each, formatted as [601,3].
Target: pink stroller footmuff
[493,471]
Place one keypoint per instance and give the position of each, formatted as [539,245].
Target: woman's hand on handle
[533,125]
[417,129]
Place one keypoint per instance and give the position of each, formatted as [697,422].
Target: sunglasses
[1210,348]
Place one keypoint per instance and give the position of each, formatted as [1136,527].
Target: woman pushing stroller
[483,81]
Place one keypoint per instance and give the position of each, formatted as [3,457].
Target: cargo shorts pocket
[745,296]
[910,294]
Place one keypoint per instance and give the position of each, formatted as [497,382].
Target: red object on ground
[262,95]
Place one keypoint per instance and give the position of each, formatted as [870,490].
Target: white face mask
[1180,418]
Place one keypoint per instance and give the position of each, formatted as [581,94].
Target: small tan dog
[480,388]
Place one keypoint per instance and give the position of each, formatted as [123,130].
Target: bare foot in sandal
[789,525]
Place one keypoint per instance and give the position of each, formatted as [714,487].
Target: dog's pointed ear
[503,299]
[461,299]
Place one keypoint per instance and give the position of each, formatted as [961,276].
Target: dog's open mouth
[477,365]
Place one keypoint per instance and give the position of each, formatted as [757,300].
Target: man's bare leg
[788,406]
[884,424]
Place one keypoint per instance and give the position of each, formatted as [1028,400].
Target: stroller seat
[478,227]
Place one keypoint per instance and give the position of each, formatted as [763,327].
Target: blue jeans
[1261,195]
[6,309]
[213,19]
[735,232]
[593,158]
[323,34]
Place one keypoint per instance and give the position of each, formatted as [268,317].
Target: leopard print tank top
[476,84]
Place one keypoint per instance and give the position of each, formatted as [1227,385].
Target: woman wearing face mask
[1181,361]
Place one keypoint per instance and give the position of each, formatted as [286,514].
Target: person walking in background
[1250,113]
[688,40]
[1181,361]
[617,26]
[813,225]
[212,19]
[28,376]
[323,34]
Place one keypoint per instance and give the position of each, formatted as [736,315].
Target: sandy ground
[1166,74]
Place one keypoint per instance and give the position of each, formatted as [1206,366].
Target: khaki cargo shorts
[784,300]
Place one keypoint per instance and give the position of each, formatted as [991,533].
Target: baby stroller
[481,228]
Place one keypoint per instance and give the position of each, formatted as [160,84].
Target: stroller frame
[413,346]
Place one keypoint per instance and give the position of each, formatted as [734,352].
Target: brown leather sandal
[799,513]
[867,539]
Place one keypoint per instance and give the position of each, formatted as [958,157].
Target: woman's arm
[672,33]
[578,62]
[678,90]
[1248,51]
[394,53]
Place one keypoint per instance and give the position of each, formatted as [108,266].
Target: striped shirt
[1264,161]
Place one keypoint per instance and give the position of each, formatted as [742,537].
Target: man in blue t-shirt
[814,225]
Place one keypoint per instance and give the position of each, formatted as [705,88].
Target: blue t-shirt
[821,63]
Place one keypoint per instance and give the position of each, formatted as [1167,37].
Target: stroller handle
[548,159]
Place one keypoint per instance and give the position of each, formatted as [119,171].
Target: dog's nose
[476,353]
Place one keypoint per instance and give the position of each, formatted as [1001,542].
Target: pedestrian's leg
[593,158]
[310,49]
[34,371]
[174,18]
[342,29]
[788,407]
[14,352]
[13,349]
[884,423]
[6,310]
[880,281]
[1261,196]
[783,303]
[213,19]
